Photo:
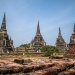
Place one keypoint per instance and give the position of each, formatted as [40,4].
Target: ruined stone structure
[6,44]
[38,40]
[72,42]
[60,43]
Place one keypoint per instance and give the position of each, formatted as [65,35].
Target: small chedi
[6,44]
[60,43]
[72,42]
[38,40]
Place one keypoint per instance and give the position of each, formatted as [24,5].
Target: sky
[22,17]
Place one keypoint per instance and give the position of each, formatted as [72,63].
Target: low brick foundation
[69,55]
[21,54]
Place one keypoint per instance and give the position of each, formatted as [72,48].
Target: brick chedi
[72,42]
[60,43]
[6,44]
[38,40]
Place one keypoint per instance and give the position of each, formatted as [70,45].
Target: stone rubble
[38,67]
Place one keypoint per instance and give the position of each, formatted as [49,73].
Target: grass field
[10,57]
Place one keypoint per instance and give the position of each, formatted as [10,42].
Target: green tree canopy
[24,45]
[48,50]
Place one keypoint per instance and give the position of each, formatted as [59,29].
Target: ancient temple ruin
[6,44]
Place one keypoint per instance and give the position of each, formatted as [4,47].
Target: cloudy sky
[22,17]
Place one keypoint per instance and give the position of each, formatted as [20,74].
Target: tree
[48,50]
[24,45]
